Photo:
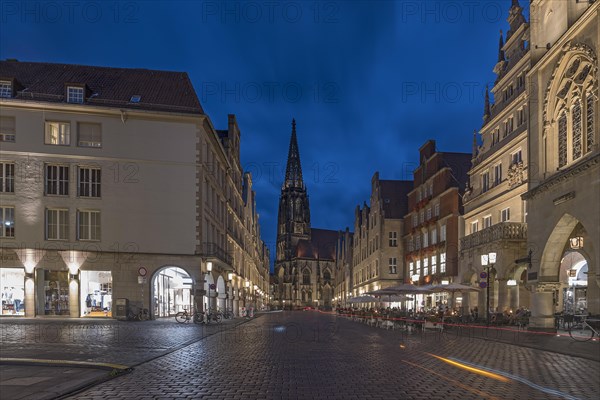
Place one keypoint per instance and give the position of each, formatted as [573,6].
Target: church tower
[293,222]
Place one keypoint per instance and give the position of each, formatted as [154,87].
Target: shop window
[54,296]
[13,291]
[96,294]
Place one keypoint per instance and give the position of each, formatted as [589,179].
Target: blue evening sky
[367,81]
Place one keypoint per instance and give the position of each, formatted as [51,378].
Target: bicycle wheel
[581,333]
[181,317]
[218,318]
[199,318]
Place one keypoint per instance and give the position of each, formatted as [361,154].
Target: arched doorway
[171,291]
[572,296]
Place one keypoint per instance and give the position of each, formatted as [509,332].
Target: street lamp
[488,261]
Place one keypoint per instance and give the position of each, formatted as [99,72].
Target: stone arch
[170,291]
[555,246]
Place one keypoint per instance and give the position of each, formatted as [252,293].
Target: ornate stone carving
[516,174]
[547,287]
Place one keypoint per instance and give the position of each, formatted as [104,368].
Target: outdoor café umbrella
[409,288]
[454,287]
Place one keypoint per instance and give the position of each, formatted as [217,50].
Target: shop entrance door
[172,292]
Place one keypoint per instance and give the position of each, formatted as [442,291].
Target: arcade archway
[171,291]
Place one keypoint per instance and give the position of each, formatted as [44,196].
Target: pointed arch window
[589,137]
[577,151]
[306,277]
[562,140]
[327,277]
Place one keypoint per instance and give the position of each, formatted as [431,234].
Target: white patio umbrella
[409,288]
[453,288]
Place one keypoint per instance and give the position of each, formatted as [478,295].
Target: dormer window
[5,89]
[75,94]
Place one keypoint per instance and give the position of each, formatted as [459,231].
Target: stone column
[502,295]
[74,297]
[514,296]
[29,296]
[542,307]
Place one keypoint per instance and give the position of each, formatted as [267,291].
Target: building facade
[305,256]
[110,191]
[433,223]
[495,213]
[343,268]
[563,189]
[378,249]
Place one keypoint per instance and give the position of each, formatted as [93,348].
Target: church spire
[293,171]
[474,150]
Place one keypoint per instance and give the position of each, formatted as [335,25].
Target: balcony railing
[212,250]
[501,231]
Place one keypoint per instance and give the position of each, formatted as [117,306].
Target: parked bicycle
[227,313]
[584,330]
[187,316]
[141,314]
[214,316]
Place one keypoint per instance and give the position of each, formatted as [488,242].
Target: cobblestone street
[304,355]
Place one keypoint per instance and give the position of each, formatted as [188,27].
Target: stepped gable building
[432,225]
[305,256]
[378,248]
[495,213]
[563,189]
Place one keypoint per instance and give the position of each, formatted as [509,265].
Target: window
[515,158]
[520,81]
[90,135]
[74,94]
[7,129]
[421,216]
[577,148]
[443,263]
[485,182]
[436,210]
[417,242]
[7,221]
[589,136]
[474,226]
[418,196]
[393,239]
[89,180]
[57,180]
[497,174]
[505,215]
[425,239]
[7,177]
[520,116]
[5,89]
[431,189]
[425,266]
[377,267]
[415,221]
[306,277]
[88,225]
[393,265]
[434,236]
[510,124]
[418,270]
[433,265]
[428,213]
[58,133]
[411,268]
[443,233]
[487,221]
[57,224]
[326,276]
[562,140]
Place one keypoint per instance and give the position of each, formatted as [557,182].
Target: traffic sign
[483,275]
[212,286]
[142,271]
[482,285]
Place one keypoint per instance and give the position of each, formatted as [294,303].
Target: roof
[460,163]
[105,86]
[321,246]
[394,195]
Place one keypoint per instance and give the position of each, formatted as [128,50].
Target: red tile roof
[106,86]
